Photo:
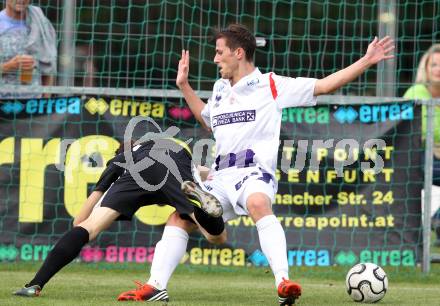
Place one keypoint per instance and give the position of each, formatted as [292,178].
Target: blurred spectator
[84,67]
[427,86]
[28,52]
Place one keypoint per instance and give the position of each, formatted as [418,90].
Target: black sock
[64,251]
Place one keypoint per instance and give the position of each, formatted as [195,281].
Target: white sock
[167,255]
[273,245]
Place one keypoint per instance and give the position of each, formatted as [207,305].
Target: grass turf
[99,284]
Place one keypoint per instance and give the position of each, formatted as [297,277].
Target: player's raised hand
[182,72]
[379,50]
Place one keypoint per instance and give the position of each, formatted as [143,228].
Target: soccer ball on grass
[366,282]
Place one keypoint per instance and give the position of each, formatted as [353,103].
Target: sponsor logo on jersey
[220,87]
[253,82]
[234,117]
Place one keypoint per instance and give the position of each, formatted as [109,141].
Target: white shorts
[232,187]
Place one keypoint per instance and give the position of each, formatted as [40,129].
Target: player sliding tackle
[244,114]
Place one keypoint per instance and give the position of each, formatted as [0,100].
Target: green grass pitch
[99,284]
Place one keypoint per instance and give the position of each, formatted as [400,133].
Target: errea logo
[309,115]
[96,106]
[60,105]
[295,258]
[375,113]
[345,114]
[125,108]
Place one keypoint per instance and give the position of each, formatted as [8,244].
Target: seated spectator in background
[427,86]
[28,51]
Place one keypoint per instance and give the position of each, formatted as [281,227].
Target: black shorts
[110,174]
[126,196]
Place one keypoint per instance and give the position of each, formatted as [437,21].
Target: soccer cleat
[206,201]
[145,292]
[31,291]
[288,292]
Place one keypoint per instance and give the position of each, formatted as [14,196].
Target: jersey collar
[254,74]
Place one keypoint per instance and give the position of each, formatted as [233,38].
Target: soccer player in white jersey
[244,114]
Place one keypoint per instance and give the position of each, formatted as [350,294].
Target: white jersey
[246,118]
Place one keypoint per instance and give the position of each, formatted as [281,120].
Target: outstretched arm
[377,51]
[194,102]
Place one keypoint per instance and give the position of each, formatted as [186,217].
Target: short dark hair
[238,36]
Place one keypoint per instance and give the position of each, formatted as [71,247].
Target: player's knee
[91,228]
[100,219]
[175,220]
[258,204]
